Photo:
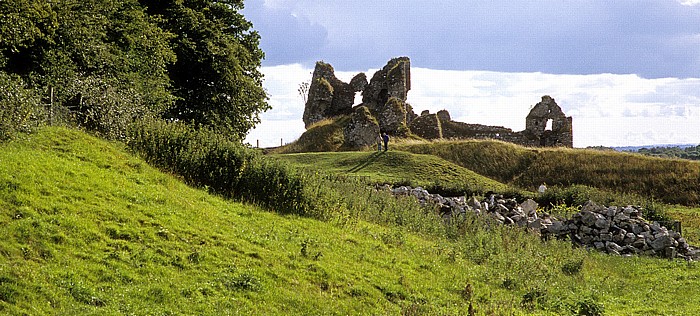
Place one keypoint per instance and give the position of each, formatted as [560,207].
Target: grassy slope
[88,229]
[395,167]
[325,135]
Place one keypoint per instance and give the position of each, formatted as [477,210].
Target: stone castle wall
[384,97]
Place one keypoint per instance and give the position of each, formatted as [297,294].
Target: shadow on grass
[367,161]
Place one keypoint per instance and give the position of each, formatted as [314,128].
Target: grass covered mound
[399,168]
[325,135]
[88,229]
[671,181]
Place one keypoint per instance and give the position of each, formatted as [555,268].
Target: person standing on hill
[379,142]
[385,138]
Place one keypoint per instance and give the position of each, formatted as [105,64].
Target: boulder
[529,207]
[474,203]
[661,242]
[557,228]
[602,223]
[589,218]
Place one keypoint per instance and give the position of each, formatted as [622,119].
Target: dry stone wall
[614,230]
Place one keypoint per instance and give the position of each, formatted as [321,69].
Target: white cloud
[607,109]
[689,2]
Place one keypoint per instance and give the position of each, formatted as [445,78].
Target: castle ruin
[384,108]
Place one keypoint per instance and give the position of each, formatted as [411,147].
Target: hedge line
[206,159]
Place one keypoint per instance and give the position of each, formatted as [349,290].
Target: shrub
[244,282]
[652,211]
[206,159]
[572,267]
[20,108]
[8,290]
[85,295]
[534,298]
[589,307]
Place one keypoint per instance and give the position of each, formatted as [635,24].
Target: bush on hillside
[20,108]
[206,159]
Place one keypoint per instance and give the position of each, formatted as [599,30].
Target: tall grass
[672,181]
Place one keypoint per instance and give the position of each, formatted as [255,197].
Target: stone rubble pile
[615,230]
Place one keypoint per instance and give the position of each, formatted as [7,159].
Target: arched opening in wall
[548,125]
[358,98]
[383,96]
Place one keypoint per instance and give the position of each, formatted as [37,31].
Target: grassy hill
[396,167]
[502,161]
[88,229]
[672,181]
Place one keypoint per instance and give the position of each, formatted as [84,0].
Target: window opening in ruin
[548,126]
[358,98]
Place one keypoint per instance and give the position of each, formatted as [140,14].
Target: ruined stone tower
[384,108]
[548,126]
[328,95]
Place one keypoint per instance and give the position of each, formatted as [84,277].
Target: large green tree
[111,61]
[217,76]
[105,60]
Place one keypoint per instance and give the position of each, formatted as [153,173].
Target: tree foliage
[216,76]
[20,108]
[113,61]
[690,152]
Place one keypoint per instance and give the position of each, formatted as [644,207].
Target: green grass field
[397,167]
[89,229]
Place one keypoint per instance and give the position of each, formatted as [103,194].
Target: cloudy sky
[627,71]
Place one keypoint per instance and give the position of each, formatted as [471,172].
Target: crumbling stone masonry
[545,126]
[384,106]
[328,95]
[384,96]
[362,129]
[536,125]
